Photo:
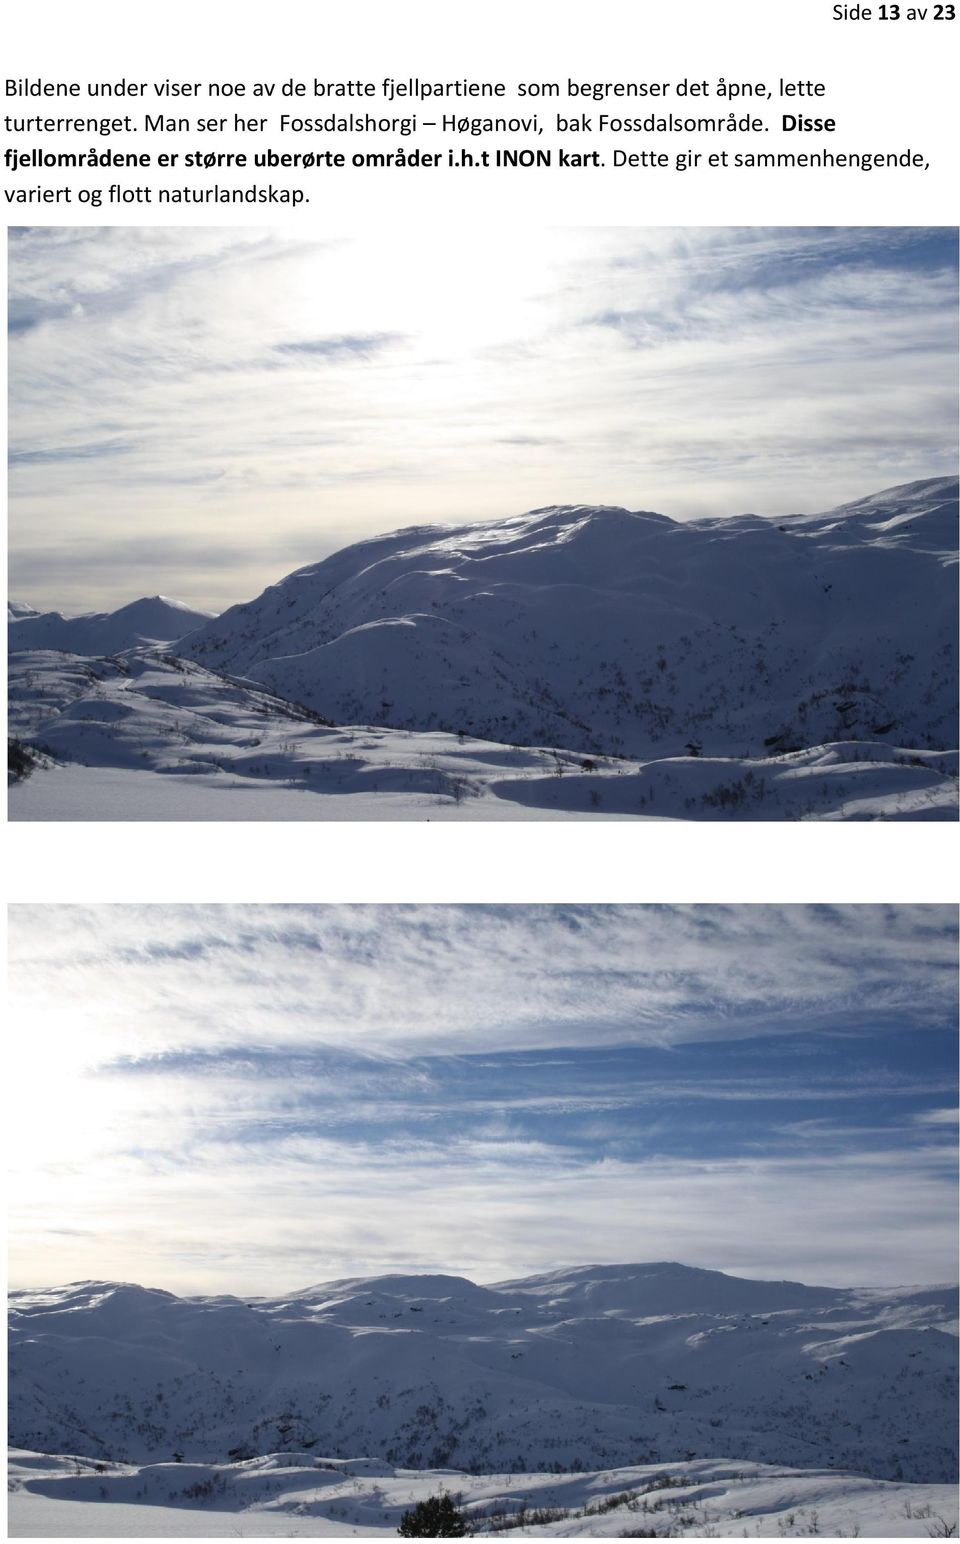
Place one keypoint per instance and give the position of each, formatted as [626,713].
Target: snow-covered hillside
[229,749]
[582,663]
[152,619]
[294,1495]
[573,1371]
[627,633]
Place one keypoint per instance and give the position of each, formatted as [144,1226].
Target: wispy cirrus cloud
[57,453]
[357,345]
[330,390]
[275,1217]
[430,979]
[948,1117]
[319,1090]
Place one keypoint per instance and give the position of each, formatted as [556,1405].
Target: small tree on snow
[435,1518]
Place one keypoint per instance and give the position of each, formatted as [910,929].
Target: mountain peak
[151,619]
[623,633]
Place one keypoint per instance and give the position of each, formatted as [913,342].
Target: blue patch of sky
[735,269]
[19,319]
[786,1095]
[902,250]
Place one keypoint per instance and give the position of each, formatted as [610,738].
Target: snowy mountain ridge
[571,1370]
[152,619]
[626,633]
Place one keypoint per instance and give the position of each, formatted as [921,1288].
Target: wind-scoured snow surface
[153,619]
[570,663]
[604,1366]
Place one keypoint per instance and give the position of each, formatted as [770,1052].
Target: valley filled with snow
[611,1400]
[573,662]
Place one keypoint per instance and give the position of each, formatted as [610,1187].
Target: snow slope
[581,662]
[295,1495]
[575,1370]
[627,633]
[229,749]
[153,619]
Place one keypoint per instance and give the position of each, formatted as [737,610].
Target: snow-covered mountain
[627,633]
[574,1370]
[152,619]
[18,609]
[583,663]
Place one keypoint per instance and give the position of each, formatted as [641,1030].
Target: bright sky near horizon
[196,412]
[252,1098]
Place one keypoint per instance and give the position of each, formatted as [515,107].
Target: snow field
[299,1495]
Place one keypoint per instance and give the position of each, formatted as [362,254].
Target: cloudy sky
[197,412]
[257,1098]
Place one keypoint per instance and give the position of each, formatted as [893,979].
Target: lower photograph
[615,1221]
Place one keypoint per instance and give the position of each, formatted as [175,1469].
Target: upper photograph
[472,524]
